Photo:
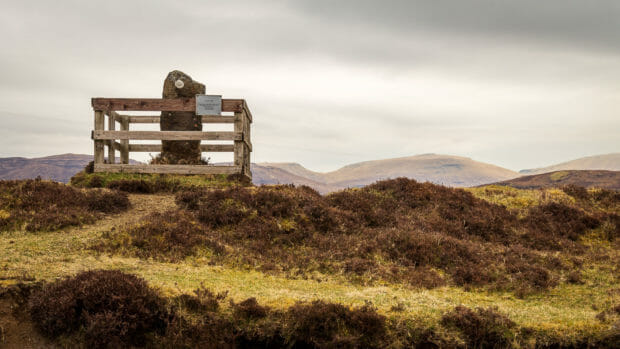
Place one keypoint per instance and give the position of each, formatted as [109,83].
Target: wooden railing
[119,140]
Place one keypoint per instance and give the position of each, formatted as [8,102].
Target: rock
[178,85]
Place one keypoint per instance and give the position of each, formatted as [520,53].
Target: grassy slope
[583,178]
[567,311]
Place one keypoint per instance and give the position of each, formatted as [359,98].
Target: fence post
[239,145]
[246,146]
[125,142]
[111,127]
[99,126]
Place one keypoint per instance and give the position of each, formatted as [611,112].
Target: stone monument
[179,85]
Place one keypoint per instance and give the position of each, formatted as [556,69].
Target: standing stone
[179,85]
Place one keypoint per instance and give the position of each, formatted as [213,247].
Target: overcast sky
[519,84]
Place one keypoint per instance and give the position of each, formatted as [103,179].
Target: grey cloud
[574,22]
[491,67]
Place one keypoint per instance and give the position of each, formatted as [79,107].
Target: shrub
[203,300]
[576,191]
[249,309]
[321,324]
[131,186]
[549,224]
[171,235]
[107,201]
[109,307]
[42,205]
[482,328]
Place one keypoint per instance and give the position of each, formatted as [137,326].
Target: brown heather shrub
[606,197]
[330,325]
[212,330]
[574,277]
[202,301]
[171,235]
[577,192]
[374,209]
[554,226]
[108,308]
[482,328]
[43,205]
[249,309]
[449,210]
[139,186]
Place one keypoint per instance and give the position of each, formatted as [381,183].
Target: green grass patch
[152,183]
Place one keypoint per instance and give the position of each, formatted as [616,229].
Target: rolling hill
[56,167]
[610,162]
[441,169]
[582,178]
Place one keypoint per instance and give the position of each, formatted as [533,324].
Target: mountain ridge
[442,169]
[609,162]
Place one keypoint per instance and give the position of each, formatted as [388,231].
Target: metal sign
[208,105]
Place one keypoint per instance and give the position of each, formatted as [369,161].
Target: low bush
[202,301]
[171,235]
[554,226]
[482,328]
[249,309]
[36,205]
[330,325]
[108,308]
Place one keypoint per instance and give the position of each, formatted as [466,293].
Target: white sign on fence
[208,105]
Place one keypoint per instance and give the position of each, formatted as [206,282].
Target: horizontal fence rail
[119,140]
[169,135]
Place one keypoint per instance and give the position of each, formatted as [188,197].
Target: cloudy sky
[519,84]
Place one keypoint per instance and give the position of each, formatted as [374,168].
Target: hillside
[58,168]
[610,162]
[264,173]
[588,179]
[396,264]
[440,169]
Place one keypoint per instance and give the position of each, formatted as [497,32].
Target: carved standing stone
[178,85]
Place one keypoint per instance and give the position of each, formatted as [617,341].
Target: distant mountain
[56,167]
[296,169]
[266,174]
[583,178]
[610,162]
[441,169]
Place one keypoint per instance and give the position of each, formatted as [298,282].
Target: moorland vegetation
[394,264]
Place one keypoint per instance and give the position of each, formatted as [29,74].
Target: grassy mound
[397,231]
[152,183]
[36,205]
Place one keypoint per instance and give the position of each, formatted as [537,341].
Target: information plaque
[208,105]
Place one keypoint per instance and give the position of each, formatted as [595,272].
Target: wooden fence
[119,140]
